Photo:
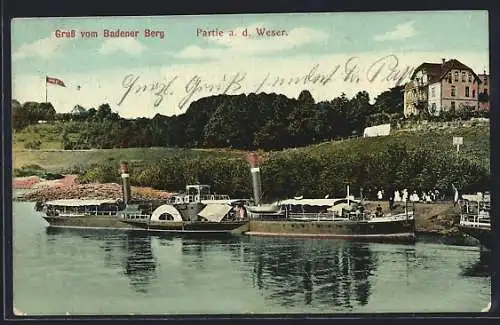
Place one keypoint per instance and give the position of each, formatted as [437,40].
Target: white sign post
[457,141]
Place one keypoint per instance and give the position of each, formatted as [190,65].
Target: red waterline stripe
[269,234]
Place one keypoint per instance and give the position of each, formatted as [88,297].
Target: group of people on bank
[405,196]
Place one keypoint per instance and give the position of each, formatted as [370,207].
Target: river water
[117,272]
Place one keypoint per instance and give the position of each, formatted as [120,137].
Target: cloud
[44,48]
[400,32]
[128,45]
[196,52]
[253,44]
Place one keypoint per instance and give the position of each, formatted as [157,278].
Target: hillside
[50,156]
[74,161]
[476,146]
[420,160]
[49,135]
[266,121]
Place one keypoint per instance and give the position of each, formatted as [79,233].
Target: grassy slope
[57,161]
[476,143]
[476,146]
[48,134]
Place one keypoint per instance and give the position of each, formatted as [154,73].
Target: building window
[466,91]
[463,76]
[456,75]
[453,91]
[485,90]
[473,93]
[433,92]
[452,105]
[470,77]
[485,81]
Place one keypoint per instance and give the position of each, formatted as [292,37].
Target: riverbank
[73,190]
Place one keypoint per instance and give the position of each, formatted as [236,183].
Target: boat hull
[90,221]
[193,227]
[392,231]
[483,235]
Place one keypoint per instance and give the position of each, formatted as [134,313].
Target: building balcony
[419,99]
[418,84]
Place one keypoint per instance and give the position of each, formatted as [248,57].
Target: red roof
[437,71]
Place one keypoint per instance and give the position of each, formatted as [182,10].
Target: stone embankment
[68,188]
[440,218]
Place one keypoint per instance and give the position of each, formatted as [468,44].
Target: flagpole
[45,89]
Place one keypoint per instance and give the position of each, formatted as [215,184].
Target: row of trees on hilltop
[272,121]
[267,121]
[30,113]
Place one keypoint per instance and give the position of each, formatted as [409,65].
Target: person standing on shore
[391,199]
[455,196]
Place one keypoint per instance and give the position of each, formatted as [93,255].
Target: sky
[187,58]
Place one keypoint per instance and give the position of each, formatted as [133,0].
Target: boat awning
[312,202]
[210,202]
[266,208]
[339,207]
[214,212]
[79,202]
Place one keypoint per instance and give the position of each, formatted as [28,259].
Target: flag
[54,81]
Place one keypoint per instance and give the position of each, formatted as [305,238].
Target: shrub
[29,170]
[33,145]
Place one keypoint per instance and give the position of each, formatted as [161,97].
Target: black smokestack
[255,170]
[126,192]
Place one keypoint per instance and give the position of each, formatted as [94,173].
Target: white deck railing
[198,198]
[135,216]
[68,213]
[476,221]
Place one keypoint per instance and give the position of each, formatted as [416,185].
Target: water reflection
[480,267]
[334,273]
[140,263]
[200,244]
[260,274]
[334,276]
[129,250]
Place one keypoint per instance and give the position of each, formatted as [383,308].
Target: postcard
[251,164]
